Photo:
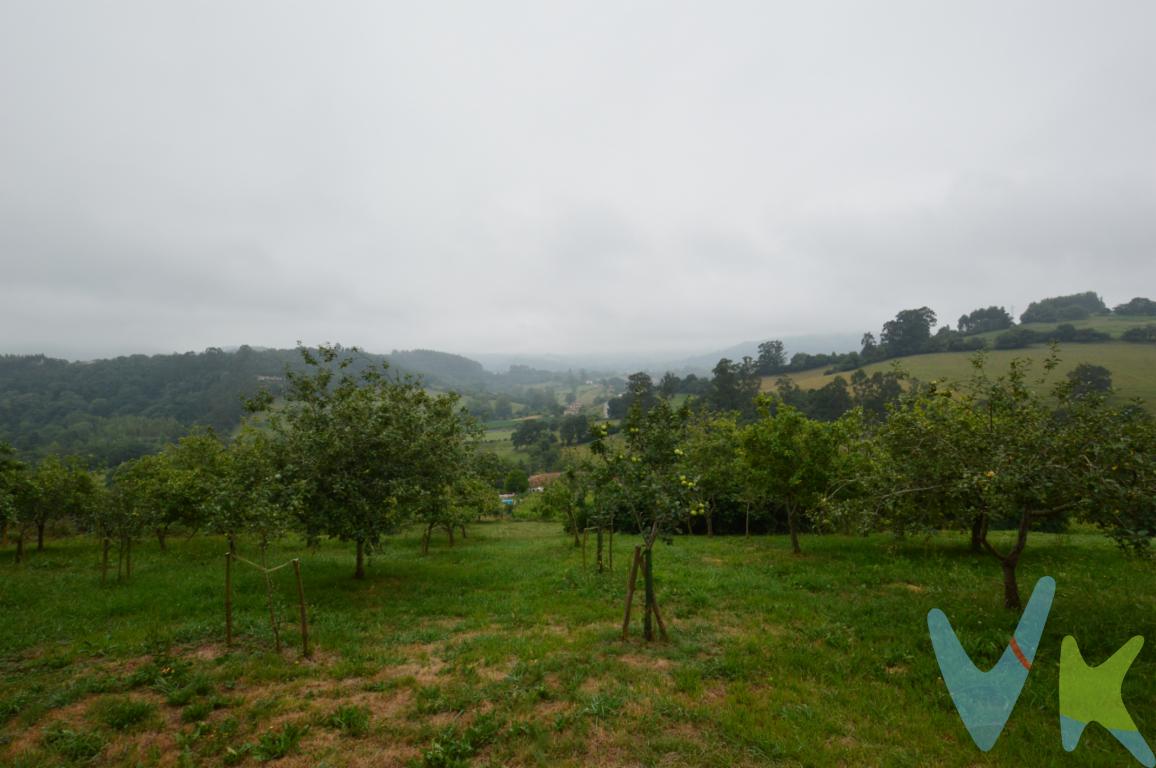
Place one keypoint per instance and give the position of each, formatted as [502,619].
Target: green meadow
[504,650]
[1133,366]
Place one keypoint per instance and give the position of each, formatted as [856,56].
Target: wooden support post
[228,598]
[630,591]
[657,615]
[301,603]
[272,611]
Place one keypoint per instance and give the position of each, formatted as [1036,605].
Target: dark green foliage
[574,429]
[531,431]
[112,410]
[772,358]
[983,320]
[1018,338]
[908,333]
[517,481]
[1137,306]
[639,389]
[1142,335]
[1078,306]
[734,387]
[1087,379]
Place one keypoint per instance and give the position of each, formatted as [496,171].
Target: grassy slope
[1133,366]
[504,651]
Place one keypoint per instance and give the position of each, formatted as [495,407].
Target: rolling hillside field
[1133,366]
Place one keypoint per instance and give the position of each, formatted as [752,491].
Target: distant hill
[598,364]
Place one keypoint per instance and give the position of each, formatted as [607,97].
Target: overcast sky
[566,177]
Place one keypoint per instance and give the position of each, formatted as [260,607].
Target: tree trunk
[1011,591]
[599,557]
[450,530]
[161,538]
[1008,562]
[977,533]
[648,581]
[793,526]
[232,545]
[4,534]
[359,572]
[128,558]
[709,522]
[104,546]
[463,530]
[40,537]
[425,539]
[20,548]
[748,521]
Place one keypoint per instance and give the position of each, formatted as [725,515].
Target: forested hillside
[112,410]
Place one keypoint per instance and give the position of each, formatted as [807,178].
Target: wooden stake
[657,615]
[301,602]
[630,591]
[272,611]
[228,598]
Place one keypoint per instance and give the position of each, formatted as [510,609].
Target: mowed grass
[1133,366]
[505,651]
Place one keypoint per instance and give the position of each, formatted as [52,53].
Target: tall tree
[366,449]
[791,459]
[772,358]
[908,333]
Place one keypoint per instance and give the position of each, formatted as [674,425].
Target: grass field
[1105,324]
[1133,366]
[504,651]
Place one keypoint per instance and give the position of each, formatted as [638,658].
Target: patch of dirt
[645,662]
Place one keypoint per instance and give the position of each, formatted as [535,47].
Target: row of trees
[995,453]
[349,455]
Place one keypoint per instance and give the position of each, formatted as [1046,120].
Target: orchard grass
[504,651]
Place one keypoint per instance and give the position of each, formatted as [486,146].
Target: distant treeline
[109,411]
[734,385]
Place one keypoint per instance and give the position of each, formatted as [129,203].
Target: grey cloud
[562,177]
